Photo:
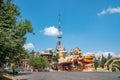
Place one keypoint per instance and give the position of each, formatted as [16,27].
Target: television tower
[59,36]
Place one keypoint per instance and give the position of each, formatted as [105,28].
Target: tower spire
[59,36]
[59,26]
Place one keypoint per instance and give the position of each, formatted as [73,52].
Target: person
[15,68]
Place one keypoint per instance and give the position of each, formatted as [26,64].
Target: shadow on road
[4,78]
[118,76]
[20,74]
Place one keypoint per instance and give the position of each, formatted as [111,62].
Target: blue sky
[91,25]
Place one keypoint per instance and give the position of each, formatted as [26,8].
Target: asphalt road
[68,76]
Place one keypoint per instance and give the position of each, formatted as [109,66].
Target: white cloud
[51,31]
[109,10]
[105,54]
[29,46]
[49,48]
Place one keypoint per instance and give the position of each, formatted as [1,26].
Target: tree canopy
[12,31]
[38,62]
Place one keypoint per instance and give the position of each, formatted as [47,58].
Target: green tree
[96,63]
[103,61]
[38,62]
[12,31]
[109,56]
[32,53]
[55,58]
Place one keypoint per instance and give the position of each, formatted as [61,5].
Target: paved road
[68,76]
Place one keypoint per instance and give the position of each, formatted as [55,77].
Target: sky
[91,25]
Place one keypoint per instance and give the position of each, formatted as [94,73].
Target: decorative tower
[59,36]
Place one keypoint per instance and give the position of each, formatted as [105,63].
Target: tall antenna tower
[59,36]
